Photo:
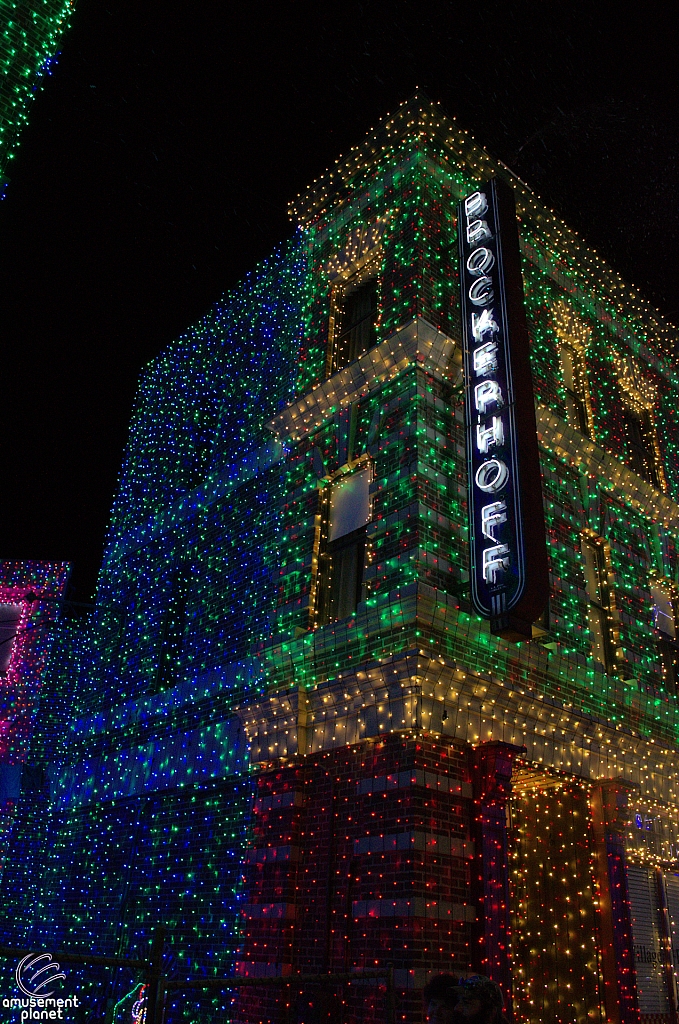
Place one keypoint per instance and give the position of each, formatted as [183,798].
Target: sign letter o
[492,476]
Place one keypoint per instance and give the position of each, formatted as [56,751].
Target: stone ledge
[573,448]
[415,342]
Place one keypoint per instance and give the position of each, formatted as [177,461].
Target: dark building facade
[31,595]
[291,739]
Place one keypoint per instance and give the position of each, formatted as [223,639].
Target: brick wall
[360,858]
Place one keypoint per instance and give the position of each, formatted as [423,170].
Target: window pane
[359,305]
[598,624]
[349,504]
[663,612]
[647,944]
[10,617]
[593,582]
[357,323]
[672,889]
[568,368]
[634,429]
[667,649]
[572,371]
[346,569]
[640,445]
[648,434]
[576,412]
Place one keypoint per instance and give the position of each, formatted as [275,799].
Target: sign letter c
[481,292]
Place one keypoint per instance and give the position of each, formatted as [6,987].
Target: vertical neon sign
[509,576]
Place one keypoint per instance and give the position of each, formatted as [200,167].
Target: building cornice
[413,692]
[421,125]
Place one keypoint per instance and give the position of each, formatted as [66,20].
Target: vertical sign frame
[508,554]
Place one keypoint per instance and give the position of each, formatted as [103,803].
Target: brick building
[292,739]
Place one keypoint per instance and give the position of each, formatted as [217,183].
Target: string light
[28,51]
[555,954]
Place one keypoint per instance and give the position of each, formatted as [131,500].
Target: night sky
[162,153]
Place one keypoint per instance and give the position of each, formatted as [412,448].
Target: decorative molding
[637,389]
[641,396]
[569,328]
[362,246]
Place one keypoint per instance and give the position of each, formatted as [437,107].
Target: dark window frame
[334,603]
[9,634]
[667,645]
[641,443]
[331,602]
[600,605]
[576,396]
[668,653]
[353,339]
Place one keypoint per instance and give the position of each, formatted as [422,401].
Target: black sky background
[160,158]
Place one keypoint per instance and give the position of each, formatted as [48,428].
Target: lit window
[354,321]
[639,398]
[342,560]
[663,612]
[575,386]
[599,598]
[10,617]
[664,622]
[574,337]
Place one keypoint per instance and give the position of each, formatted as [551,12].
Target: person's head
[440,999]
[479,1001]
